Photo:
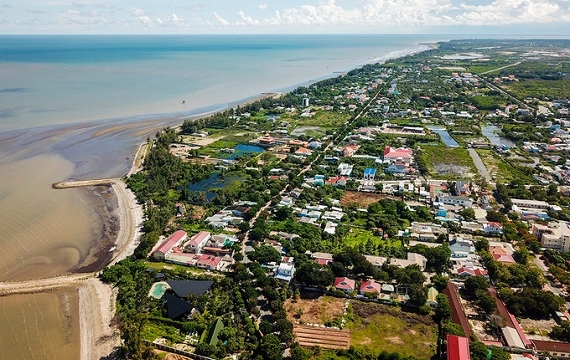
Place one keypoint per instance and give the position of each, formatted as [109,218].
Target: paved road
[501,68]
[479,165]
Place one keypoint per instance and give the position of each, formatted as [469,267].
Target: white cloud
[263,6]
[172,20]
[137,12]
[221,20]
[409,13]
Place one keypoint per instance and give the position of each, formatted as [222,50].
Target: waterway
[242,149]
[444,135]
[214,181]
[490,132]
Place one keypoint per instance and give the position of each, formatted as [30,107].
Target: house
[369,173]
[432,297]
[370,286]
[344,284]
[198,241]
[398,169]
[462,188]
[183,288]
[303,151]
[457,347]
[494,228]
[167,245]
[456,201]
[209,262]
[412,259]
[337,181]
[461,248]
[465,272]
[349,150]
[176,307]
[501,255]
[344,169]
[285,271]
[322,258]
[555,235]
[392,155]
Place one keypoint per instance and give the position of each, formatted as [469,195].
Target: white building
[555,235]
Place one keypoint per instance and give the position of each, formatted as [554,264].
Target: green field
[361,236]
[386,328]
[501,170]
[537,88]
[433,156]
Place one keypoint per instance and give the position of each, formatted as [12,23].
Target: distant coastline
[108,148]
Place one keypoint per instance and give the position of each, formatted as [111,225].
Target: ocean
[76,107]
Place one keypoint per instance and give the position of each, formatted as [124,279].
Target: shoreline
[97,300]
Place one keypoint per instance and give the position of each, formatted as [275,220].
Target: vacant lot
[325,338]
[446,161]
[381,327]
[361,199]
[314,308]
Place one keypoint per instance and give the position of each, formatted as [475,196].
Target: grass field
[324,119]
[537,88]
[500,169]
[443,155]
[380,327]
[361,236]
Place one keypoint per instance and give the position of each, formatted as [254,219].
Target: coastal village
[411,209]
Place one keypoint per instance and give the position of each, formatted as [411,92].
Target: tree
[270,347]
[521,255]
[481,245]
[467,213]
[561,332]
[478,350]
[486,303]
[499,354]
[443,310]
[265,254]
[315,275]
[476,283]
[298,353]
[440,281]
[418,296]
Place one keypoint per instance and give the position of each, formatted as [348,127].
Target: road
[246,248]
[479,165]
[501,68]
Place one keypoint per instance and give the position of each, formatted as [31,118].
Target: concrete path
[479,164]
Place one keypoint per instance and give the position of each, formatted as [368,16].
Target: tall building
[305,102]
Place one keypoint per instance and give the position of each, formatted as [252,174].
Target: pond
[490,132]
[241,149]
[444,135]
[214,181]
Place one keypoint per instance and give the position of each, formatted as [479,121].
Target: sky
[492,17]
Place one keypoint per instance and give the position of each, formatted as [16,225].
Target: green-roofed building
[217,326]
[432,296]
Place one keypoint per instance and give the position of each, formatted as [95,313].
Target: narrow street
[479,165]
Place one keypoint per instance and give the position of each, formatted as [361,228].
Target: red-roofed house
[470,271]
[345,284]
[348,151]
[370,286]
[392,155]
[337,181]
[303,151]
[457,348]
[494,228]
[173,240]
[209,262]
[198,242]
[457,312]
[501,255]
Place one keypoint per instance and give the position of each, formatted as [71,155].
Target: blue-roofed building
[369,173]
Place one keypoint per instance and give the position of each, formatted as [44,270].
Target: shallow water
[40,326]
